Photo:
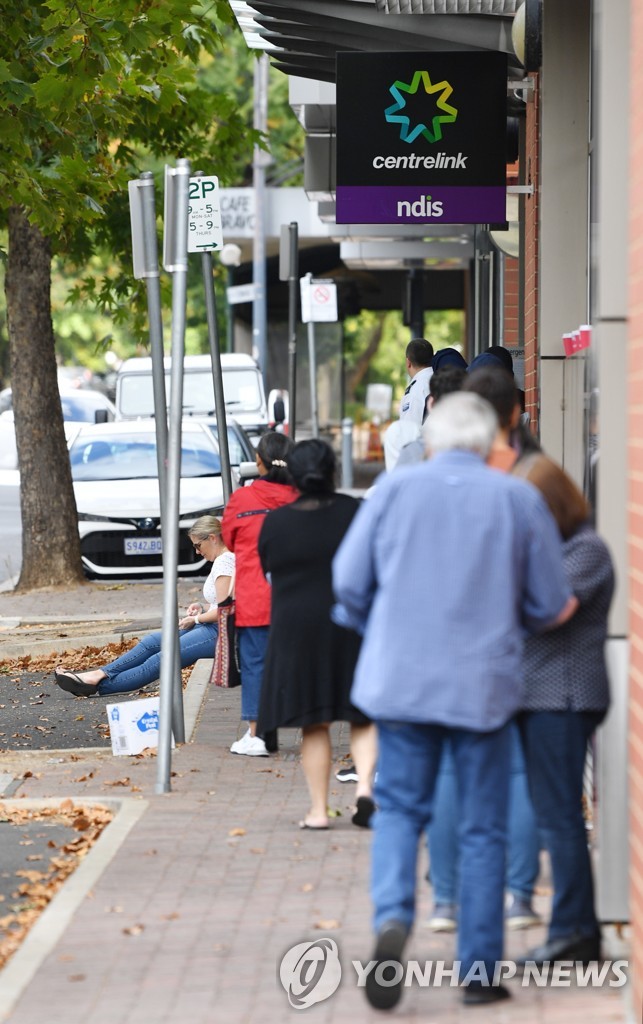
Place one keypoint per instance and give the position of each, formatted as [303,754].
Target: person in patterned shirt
[566,698]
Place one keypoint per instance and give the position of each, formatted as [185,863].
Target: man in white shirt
[419,356]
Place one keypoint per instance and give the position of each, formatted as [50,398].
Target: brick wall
[532,177]
[635,524]
[512,336]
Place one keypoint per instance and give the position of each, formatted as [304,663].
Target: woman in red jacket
[241,525]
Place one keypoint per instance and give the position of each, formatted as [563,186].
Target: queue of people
[457,621]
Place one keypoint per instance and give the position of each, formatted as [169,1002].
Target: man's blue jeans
[142,665]
[555,745]
[407,770]
[523,846]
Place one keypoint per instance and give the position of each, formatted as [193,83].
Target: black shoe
[391,940]
[72,683]
[477,994]
[567,947]
[364,811]
[271,739]
[347,774]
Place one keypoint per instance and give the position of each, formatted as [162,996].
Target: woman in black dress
[310,661]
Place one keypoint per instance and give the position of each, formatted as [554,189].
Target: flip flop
[364,811]
[313,828]
[72,683]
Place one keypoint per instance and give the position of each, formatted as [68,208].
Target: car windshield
[240,390]
[121,456]
[81,407]
[239,448]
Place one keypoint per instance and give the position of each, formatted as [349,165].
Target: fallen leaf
[136,929]
[237,832]
[326,925]
[307,887]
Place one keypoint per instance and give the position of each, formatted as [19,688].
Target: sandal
[72,683]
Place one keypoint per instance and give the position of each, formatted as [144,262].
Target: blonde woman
[198,630]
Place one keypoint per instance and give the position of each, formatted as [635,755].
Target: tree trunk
[50,541]
[359,371]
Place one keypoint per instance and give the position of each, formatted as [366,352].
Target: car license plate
[143,546]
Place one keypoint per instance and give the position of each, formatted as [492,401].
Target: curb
[54,645]
[53,921]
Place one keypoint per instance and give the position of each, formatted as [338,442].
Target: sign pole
[312,365]
[217,375]
[293,274]
[146,265]
[204,235]
[176,262]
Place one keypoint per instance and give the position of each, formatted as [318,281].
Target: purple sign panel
[421,137]
[391,204]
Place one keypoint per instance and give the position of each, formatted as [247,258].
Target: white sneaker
[253,746]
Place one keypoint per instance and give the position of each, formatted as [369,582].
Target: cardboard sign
[134,725]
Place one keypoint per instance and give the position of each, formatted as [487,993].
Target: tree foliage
[87,86]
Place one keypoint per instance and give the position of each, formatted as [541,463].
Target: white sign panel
[242,293]
[205,233]
[318,300]
[237,212]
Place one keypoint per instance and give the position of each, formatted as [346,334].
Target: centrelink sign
[421,138]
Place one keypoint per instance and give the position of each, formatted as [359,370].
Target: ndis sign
[421,137]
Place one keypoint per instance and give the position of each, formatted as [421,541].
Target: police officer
[419,356]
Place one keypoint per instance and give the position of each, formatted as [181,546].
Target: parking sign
[205,233]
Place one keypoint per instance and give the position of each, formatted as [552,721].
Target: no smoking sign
[318,300]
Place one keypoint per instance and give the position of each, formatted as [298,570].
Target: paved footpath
[185,912]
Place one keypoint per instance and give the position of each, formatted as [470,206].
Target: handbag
[226,671]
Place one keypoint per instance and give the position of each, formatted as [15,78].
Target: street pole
[259,160]
[176,262]
[217,375]
[312,364]
[146,264]
[293,276]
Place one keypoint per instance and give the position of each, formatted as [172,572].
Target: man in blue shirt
[442,570]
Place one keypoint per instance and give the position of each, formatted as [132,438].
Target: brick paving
[214,882]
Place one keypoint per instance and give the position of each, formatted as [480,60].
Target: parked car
[243,390]
[81,405]
[115,477]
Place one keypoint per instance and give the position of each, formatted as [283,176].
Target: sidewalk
[216,882]
[188,902]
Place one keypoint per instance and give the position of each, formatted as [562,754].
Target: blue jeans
[407,770]
[523,847]
[555,747]
[253,644]
[142,665]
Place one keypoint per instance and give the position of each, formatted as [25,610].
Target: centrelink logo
[395,115]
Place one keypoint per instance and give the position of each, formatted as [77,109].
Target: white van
[243,390]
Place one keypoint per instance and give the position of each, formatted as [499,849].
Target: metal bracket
[525,86]
[517,190]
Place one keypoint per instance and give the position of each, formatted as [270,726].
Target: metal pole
[171,702]
[217,374]
[230,330]
[259,160]
[347,453]
[152,281]
[152,277]
[312,363]
[293,230]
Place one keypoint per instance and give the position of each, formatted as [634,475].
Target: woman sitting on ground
[198,630]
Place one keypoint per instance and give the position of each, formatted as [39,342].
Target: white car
[114,470]
[116,486]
